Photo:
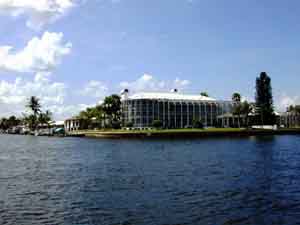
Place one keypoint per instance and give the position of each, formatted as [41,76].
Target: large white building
[173,109]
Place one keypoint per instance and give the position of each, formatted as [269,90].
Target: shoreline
[193,133]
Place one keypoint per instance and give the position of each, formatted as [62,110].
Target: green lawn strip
[221,130]
[183,131]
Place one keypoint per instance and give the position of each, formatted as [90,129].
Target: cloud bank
[40,54]
[148,83]
[14,95]
[95,89]
[37,12]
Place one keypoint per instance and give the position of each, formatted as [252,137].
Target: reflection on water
[207,181]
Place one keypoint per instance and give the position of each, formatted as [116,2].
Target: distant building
[57,124]
[75,124]
[230,120]
[289,119]
[173,109]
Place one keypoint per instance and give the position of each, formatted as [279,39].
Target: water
[161,182]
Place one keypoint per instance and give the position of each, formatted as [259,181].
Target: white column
[141,114]
[153,110]
[223,106]
[211,114]
[194,111]
[188,113]
[175,115]
[147,109]
[181,115]
[135,113]
[169,118]
[205,111]
[200,115]
[164,114]
[158,116]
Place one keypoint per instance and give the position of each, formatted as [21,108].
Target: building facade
[75,124]
[289,119]
[173,109]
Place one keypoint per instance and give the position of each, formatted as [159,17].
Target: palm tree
[31,122]
[45,118]
[237,109]
[112,108]
[246,109]
[13,121]
[236,97]
[291,108]
[4,124]
[204,94]
[34,105]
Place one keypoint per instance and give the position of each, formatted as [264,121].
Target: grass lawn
[182,132]
[191,130]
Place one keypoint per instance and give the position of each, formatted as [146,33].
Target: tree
[237,108]
[34,105]
[290,108]
[264,99]
[129,124]
[204,94]
[157,124]
[297,108]
[236,97]
[93,116]
[246,109]
[31,121]
[45,118]
[4,124]
[198,124]
[13,121]
[294,109]
[112,108]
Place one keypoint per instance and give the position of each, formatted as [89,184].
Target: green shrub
[129,124]
[157,124]
[198,124]
[116,124]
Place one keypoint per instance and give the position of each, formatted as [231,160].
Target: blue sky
[106,45]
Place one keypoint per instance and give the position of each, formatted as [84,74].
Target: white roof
[58,123]
[169,96]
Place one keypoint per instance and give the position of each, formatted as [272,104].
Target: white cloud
[13,95]
[95,89]
[149,83]
[53,95]
[181,83]
[285,101]
[40,57]
[38,12]
[40,54]
[63,112]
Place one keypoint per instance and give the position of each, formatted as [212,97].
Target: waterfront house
[74,124]
[289,119]
[172,109]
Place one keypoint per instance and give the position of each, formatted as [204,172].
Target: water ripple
[114,182]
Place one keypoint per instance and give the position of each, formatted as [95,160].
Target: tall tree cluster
[37,117]
[108,113]
[264,100]
[241,108]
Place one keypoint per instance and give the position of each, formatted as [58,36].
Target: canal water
[69,181]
